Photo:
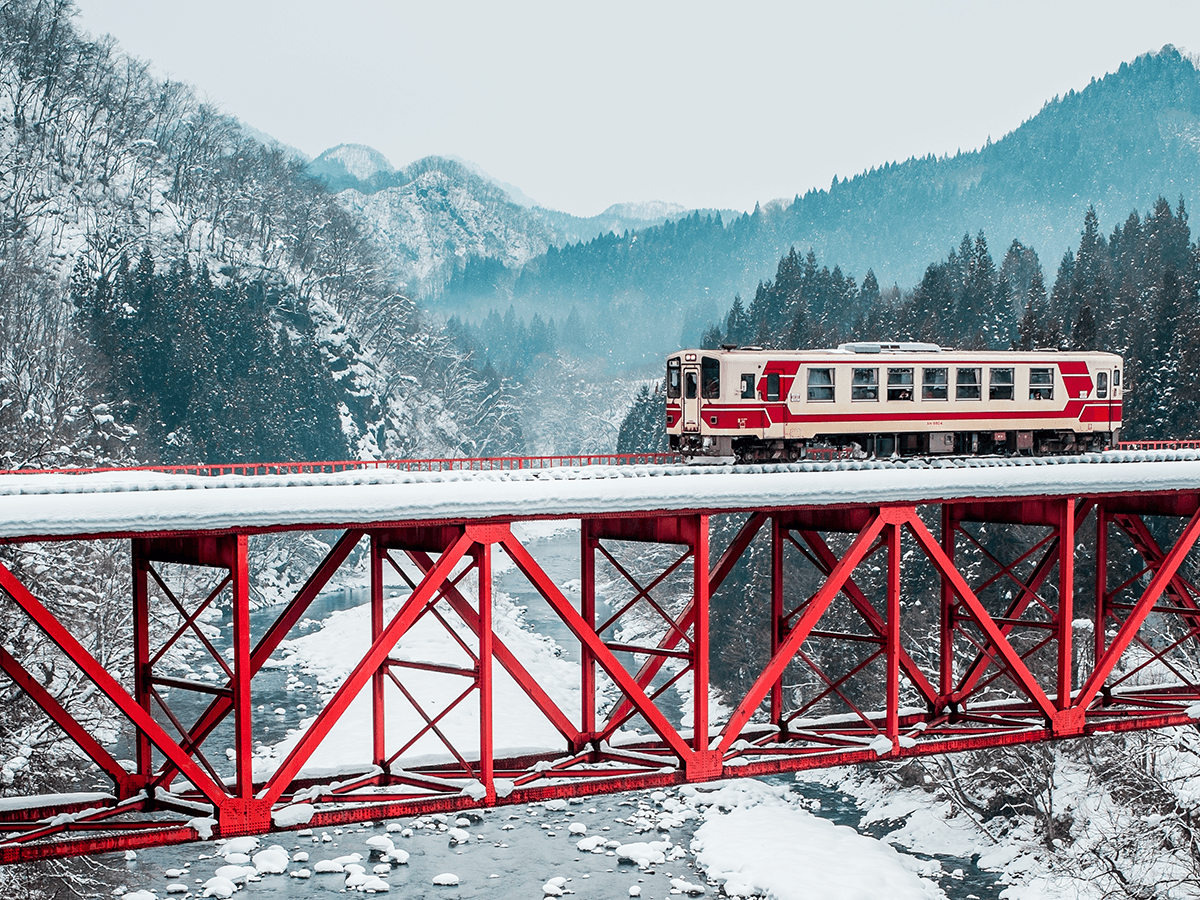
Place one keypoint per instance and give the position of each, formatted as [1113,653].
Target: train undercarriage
[699,448]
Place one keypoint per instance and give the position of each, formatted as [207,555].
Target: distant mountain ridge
[1118,144]
[433,216]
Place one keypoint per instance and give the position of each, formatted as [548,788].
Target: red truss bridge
[884,610]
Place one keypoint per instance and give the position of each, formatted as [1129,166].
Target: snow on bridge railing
[458,464]
[1158,445]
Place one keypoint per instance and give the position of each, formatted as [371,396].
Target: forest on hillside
[143,234]
[1134,292]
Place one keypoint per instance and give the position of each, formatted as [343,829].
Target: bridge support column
[892,638]
[587,660]
[1066,605]
[1100,615]
[142,671]
[379,676]
[778,624]
[700,638]
[483,562]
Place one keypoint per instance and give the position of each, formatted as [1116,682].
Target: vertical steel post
[242,710]
[893,632]
[700,636]
[587,660]
[141,653]
[1098,623]
[483,559]
[1066,600]
[777,536]
[946,659]
[378,718]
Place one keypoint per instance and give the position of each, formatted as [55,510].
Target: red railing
[461,464]
[486,464]
[1158,445]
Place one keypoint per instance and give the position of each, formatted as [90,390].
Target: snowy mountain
[433,216]
[350,166]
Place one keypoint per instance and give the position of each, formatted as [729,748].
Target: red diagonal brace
[412,609]
[511,664]
[1129,628]
[875,621]
[561,605]
[126,785]
[219,708]
[108,685]
[996,638]
[1025,596]
[1134,526]
[790,644]
[650,668]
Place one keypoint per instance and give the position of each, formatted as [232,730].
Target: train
[886,400]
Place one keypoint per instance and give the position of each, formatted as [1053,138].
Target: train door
[691,397]
[1114,400]
[1108,387]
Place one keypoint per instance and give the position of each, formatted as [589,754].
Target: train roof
[869,349]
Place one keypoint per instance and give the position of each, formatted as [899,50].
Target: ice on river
[760,841]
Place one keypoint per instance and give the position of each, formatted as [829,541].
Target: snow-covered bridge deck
[116,503]
[898,609]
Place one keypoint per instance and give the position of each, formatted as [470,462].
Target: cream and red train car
[884,400]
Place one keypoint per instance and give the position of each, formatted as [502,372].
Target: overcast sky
[581,105]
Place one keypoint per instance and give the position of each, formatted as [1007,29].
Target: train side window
[865,384]
[1000,384]
[748,386]
[1041,384]
[900,384]
[1116,382]
[967,384]
[820,384]
[1101,385]
[773,386]
[710,378]
[689,385]
[673,379]
[934,383]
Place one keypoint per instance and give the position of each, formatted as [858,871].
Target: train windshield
[673,380]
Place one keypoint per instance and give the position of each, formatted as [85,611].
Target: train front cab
[691,379]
